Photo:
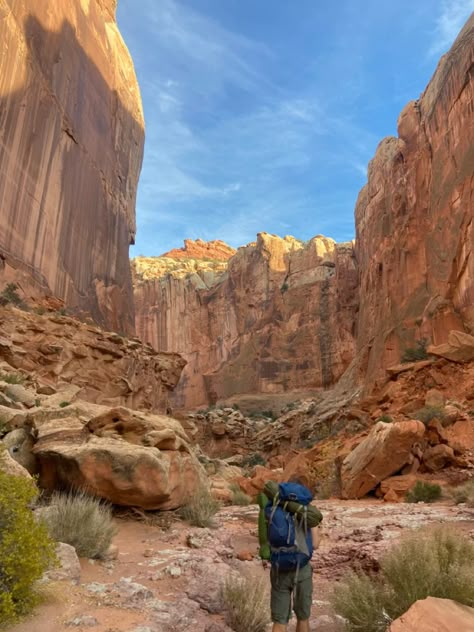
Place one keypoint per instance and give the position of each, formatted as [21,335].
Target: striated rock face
[278,316]
[216,250]
[104,367]
[414,220]
[71,144]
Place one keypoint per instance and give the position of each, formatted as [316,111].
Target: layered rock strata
[414,220]
[104,367]
[71,144]
[278,316]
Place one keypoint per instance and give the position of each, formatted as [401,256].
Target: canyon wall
[71,145]
[414,221]
[278,316]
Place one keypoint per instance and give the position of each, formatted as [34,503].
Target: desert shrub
[464,493]
[424,493]
[386,419]
[245,599]
[13,378]
[437,564]
[10,295]
[418,352]
[26,550]
[241,498]
[361,601]
[82,521]
[428,413]
[251,460]
[200,509]
[64,404]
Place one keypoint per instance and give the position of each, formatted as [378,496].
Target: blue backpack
[290,539]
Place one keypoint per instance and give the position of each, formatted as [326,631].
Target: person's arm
[316,537]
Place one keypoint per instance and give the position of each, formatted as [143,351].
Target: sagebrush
[200,508]
[246,601]
[428,413]
[437,563]
[424,493]
[464,493]
[83,521]
[26,550]
[416,353]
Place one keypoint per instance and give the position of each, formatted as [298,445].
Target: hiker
[288,533]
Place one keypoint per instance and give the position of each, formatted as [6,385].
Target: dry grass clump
[200,509]
[82,521]
[437,564]
[464,493]
[239,497]
[246,601]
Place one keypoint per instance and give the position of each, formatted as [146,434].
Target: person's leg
[303,598]
[280,603]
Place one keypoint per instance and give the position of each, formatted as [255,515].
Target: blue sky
[261,115]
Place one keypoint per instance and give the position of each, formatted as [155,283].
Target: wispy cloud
[449,22]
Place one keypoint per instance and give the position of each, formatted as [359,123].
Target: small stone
[245,556]
[148,553]
[84,621]
[69,565]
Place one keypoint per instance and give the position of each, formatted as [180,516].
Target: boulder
[382,453]
[437,457]
[120,461]
[69,566]
[10,466]
[397,486]
[19,443]
[252,486]
[435,615]
[434,398]
[458,348]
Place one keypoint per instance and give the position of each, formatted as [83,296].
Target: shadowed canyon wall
[414,220]
[278,316]
[71,145]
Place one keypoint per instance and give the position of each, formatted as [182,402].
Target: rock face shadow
[71,148]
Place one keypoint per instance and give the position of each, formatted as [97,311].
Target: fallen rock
[10,466]
[397,487]
[438,457]
[382,453]
[69,566]
[20,443]
[434,398]
[435,615]
[459,348]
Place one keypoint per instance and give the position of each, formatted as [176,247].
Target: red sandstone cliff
[71,144]
[279,316]
[216,250]
[414,220]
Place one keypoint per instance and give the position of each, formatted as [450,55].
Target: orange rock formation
[71,144]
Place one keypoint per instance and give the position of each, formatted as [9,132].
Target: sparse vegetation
[245,599]
[438,564]
[418,352]
[26,550]
[428,413]
[386,419]
[10,296]
[82,521]
[241,498]
[4,428]
[424,493]
[13,378]
[251,460]
[64,404]
[200,509]
[464,493]
[284,288]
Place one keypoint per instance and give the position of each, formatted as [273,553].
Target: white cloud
[454,14]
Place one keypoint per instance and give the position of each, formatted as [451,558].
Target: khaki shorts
[283,588]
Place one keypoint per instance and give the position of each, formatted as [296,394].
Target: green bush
[439,564]
[386,419]
[82,521]
[419,352]
[428,413]
[26,550]
[64,404]
[13,378]
[10,295]
[200,509]
[251,460]
[424,493]
[241,498]
[464,493]
[246,599]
